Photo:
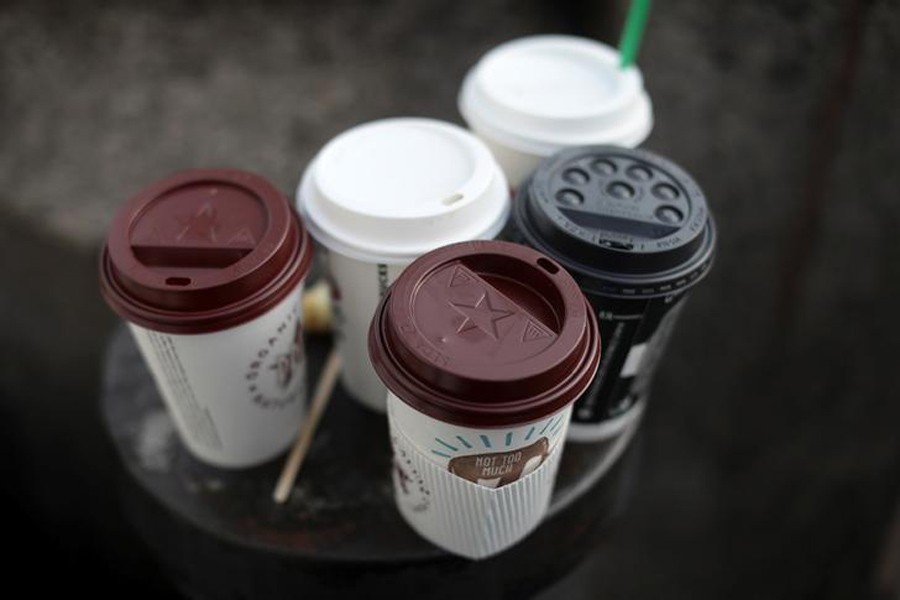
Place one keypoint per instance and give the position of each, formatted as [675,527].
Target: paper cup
[531,97]
[484,347]
[357,287]
[207,267]
[636,232]
[462,517]
[382,194]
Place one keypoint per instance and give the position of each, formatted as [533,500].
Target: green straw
[630,42]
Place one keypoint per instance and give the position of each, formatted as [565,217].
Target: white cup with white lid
[380,195]
[532,97]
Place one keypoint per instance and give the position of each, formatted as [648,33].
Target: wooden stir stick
[308,430]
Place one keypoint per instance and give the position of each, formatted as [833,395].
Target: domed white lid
[394,189]
[543,93]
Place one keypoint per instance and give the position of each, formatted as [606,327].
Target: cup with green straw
[532,97]
[633,32]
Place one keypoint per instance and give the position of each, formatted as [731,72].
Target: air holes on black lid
[603,167]
[639,173]
[669,214]
[569,197]
[665,191]
[575,176]
[620,190]
[548,266]
[178,281]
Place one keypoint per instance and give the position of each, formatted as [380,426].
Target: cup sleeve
[463,517]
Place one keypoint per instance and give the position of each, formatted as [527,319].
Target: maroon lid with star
[485,334]
[203,250]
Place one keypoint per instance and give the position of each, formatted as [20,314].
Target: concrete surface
[771,461]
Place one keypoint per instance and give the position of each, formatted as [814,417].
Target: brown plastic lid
[485,334]
[203,250]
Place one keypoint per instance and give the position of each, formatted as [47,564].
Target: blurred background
[771,463]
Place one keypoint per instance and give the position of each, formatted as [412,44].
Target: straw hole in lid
[547,266]
[615,245]
[178,281]
[451,200]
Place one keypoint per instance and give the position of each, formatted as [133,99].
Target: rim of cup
[367,217]
[606,104]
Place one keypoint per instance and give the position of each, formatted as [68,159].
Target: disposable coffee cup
[484,347]
[635,232]
[534,96]
[207,267]
[382,194]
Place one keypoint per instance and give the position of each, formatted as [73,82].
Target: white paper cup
[469,518]
[531,97]
[207,267]
[380,195]
[237,395]
[484,346]
[353,308]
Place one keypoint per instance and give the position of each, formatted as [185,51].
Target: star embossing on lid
[482,315]
[200,225]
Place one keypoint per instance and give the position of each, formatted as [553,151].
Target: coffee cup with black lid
[636,233]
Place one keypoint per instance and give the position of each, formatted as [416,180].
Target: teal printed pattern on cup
[489,457]
[463,517]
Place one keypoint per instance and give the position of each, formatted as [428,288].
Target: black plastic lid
[628,221]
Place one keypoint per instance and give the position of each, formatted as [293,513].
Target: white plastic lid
[394,189]
[543,93]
